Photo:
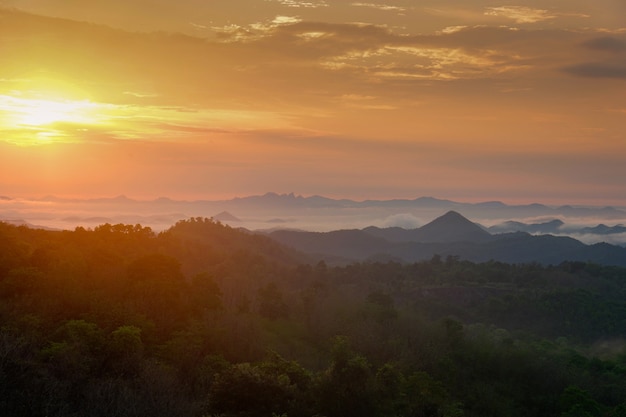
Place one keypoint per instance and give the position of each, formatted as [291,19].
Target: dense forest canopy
[206,320]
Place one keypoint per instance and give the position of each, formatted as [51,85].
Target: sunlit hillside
[203,319]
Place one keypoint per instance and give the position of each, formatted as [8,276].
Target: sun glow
[40,112]
[43,119]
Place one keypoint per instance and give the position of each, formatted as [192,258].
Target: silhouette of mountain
[420,202]
[290,200]
[393,234]
[489,209]
[486,210]
[452,227]
[22,222]
[555,227]
[96,220]
[348,244]
[449,235]
[603,229]
[552,226]
[322,213]
[226,217]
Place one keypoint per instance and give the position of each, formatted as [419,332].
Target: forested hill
[448,235]
[206,320]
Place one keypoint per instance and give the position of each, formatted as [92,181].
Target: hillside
[203,319]
[451,227]
[398,219]
[449,235]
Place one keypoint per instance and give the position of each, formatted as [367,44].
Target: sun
[47,119]
[41,112]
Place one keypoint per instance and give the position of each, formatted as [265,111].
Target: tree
[125,351]
[347,387]
[271,302]
[576,402]
[381,307]
[246,390]
[205,292]
[155,286]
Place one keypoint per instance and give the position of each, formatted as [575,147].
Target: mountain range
[590,224]
[449,235]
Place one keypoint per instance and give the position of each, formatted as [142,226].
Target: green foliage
[271,303]
[125,350]
[576,402]
[207,320]
[347,386]
[206,292]
[246,390]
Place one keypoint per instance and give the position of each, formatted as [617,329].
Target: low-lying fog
[273,211]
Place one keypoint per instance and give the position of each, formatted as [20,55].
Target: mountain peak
[452,215]
[451,218]
[453,227]
[226,217]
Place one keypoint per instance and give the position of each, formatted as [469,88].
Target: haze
[468,100]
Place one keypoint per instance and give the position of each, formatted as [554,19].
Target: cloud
[140,95]
[253,31]
[597,70]
[590,239]
[383,7]
[607,43]
[301,4]
[286,20]
[403,220]
[364,102]
[520,14]
[285,58]
[452,29]
[613,62]
[287,65]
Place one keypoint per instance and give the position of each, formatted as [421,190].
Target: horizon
[226,198]
[466,101]
[290,211]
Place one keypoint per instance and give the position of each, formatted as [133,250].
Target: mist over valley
[272,211]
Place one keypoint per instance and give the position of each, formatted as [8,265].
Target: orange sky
[469,100]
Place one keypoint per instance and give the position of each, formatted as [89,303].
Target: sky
[517,101]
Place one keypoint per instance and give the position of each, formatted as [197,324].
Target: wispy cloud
[520,14]
[253,31]
[140,95]
[461,96]
[609,59]
[358,101]
[607,43]
[301,4]
[598,70]
[378,6]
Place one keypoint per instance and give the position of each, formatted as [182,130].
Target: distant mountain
[96,220]
[318,213]
[448,235]
[451,227]
[274,201]
[226,217]
[552,226]
[288,201]
[555,227]
[482,210]
[346,244]
[603,229]
[393,234]
[22,222]
[420,202]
